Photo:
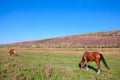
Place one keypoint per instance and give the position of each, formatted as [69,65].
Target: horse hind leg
[98,71]
[98,64]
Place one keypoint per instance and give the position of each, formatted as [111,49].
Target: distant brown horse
[12,52]
[93,56]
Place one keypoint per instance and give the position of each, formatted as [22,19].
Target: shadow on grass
[91,67]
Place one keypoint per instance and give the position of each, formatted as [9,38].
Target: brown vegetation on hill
[99,39]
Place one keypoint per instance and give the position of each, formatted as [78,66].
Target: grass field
[54,64]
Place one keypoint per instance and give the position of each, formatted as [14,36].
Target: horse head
[81,65]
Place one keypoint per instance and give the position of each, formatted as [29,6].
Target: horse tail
[104,62]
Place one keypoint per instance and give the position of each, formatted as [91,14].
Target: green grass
[43,66]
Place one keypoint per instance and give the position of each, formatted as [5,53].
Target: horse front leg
[86,65]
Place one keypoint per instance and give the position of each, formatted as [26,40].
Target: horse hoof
[98,72]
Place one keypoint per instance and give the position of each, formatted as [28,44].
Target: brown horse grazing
[93,56]
[12,52]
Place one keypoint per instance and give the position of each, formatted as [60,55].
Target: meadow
[56,64]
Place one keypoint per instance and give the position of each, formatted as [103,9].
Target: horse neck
[82,61]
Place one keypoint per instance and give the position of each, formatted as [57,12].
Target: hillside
[98,39]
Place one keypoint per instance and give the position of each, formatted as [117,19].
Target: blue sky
[24,20]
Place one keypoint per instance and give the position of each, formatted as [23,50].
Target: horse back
[92,56]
